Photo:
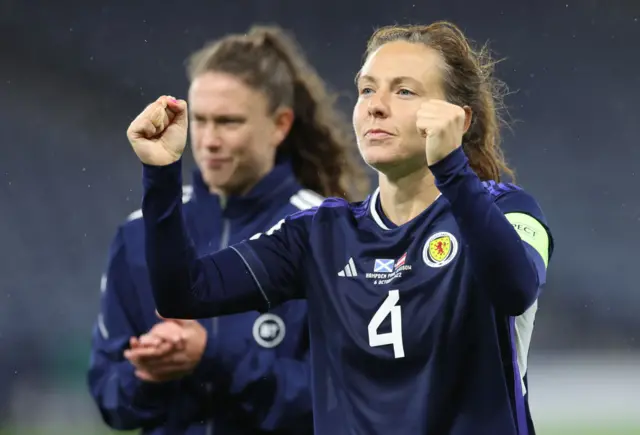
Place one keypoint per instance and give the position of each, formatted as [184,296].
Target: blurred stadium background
[73,74]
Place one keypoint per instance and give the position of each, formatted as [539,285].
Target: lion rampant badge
[440,249]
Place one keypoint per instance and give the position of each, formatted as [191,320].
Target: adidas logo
[349,269]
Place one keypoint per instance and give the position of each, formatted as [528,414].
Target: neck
[238,191]
[404,198]
[242,186]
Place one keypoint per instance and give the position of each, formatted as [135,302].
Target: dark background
[73,74]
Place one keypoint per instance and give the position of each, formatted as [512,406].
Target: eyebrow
[394,82]
[219,117]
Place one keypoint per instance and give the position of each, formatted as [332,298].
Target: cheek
[409,130]
[359,114]
[249,148]
[237,141]
[410,118]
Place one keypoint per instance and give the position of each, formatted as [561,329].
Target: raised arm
[508,263]
[505,233]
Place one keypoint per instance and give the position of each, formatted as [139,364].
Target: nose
[210,137]
[379,105]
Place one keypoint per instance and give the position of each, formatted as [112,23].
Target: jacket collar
[274,189]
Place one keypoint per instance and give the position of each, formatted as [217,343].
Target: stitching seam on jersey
[253,275]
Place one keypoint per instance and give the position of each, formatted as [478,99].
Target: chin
[215,181]
[397,167]
[379,158]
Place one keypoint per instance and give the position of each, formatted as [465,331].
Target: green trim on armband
[531,231]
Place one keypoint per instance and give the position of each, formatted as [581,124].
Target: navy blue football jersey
[422,328]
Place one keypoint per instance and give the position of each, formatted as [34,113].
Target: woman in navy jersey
[422,297]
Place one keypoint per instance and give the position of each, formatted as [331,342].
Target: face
[393,82]
[233,136]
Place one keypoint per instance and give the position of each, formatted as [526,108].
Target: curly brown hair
[468,80]
[320,144]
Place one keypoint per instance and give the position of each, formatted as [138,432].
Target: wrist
[449,167]
[171,169]
[162,177]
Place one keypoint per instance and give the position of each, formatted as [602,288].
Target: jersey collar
[375,209]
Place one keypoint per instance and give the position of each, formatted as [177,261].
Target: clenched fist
[443,124]
[159,134]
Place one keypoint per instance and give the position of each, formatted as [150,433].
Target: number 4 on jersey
[395,336]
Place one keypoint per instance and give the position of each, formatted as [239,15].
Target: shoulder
[308,203]
[523,212]
[302,206]
[514,199]
[305,199]
[311,209]
[334,208]
[498,190]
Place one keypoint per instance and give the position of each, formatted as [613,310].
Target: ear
[468,116]
[283,120]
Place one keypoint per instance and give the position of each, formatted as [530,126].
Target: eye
[230,121]
[405,92]
[365,91]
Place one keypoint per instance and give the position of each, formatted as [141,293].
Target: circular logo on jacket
[268,330]
[440,249]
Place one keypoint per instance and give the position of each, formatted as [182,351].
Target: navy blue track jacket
[254,375]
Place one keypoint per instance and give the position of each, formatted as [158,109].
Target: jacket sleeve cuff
[205,368]
[146,394]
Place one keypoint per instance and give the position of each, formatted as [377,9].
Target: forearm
[499,258]
[183,285]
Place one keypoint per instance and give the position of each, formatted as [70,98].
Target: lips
[215,162]
[377,133]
